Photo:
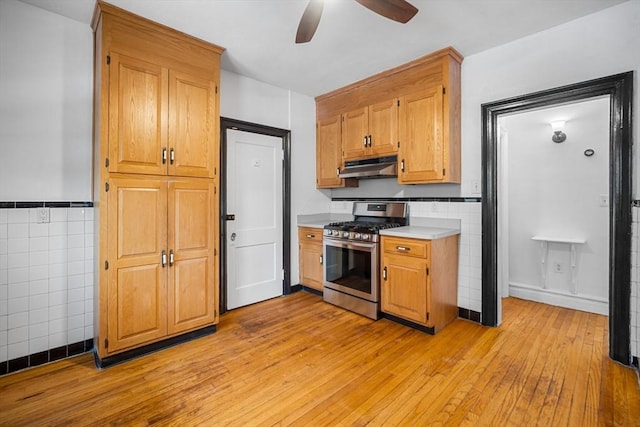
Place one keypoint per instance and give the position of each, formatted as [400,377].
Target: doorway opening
[553,224]
[277,234]
[620,90]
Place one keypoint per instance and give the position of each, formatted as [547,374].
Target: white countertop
[322,219]
[420,232]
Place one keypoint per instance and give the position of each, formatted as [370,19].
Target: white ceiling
[351,42]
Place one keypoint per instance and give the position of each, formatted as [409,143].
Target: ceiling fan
[397,10]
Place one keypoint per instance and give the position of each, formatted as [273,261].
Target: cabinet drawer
[409,247]
[308,234]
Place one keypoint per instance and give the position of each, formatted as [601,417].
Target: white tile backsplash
[46,280]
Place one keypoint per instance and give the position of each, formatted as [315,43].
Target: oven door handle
[349,245]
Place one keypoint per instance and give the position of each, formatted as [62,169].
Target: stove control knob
[327,232]
[366,236]
[345,234]
[357,236]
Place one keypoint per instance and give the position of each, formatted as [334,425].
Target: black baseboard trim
[47,356]
[151,348]
[311,290]
[408,323]
[295,288]
[474,316]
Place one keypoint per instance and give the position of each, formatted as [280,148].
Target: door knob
[233,237]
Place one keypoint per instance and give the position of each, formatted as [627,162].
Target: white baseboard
[580,302]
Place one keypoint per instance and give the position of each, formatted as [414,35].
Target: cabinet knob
[311,236]
[384,273]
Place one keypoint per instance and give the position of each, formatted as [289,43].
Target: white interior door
[254,237]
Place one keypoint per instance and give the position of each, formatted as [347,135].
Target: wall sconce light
[558,134]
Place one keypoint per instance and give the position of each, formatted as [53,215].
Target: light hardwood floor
[296,360]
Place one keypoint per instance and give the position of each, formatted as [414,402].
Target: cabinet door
[192,294]
[328,153]
[192,130]
[421,152]
[383,128]
[137,288]
[137,116]
[404,291]
[311,265]
[355,125]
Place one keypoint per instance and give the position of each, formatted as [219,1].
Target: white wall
[246,99]
[554,191]
[597,45]
[45,105]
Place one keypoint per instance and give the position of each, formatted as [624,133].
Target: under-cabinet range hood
[380,167]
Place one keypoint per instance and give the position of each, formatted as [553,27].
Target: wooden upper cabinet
[371,131]
[328,153]
[422,152]
[355,128]
[138,92]
[383,128]
[412,110]
[192,112]
[191,287]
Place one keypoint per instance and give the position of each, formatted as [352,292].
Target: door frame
[619,87]
[285,135]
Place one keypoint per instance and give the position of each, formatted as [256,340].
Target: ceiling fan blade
[309,21]
[397,10]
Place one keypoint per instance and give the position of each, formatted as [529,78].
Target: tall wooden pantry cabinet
[156,162]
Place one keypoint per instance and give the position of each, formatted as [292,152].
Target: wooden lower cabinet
[419,280]
[311,257]
[160,273]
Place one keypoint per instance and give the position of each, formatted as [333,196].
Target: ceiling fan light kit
[396,10]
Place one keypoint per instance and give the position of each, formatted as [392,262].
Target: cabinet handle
[164,156]
[321,259]
[403,248]
[384,273]
[171,156]
[369,140]
[311,236]
[402,165]
[364,141]
[163,259]
[171,258]
[337,171]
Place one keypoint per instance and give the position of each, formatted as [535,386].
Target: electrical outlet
[42,215]
[558,267]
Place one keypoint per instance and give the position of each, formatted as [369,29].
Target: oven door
[351,268]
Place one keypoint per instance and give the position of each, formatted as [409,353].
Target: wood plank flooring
[298,361]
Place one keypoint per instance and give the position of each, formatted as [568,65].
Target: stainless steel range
[352,256]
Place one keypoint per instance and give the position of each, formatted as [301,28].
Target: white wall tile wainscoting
[46,283]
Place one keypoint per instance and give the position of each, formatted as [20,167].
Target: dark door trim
[620,89]
[285,135]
